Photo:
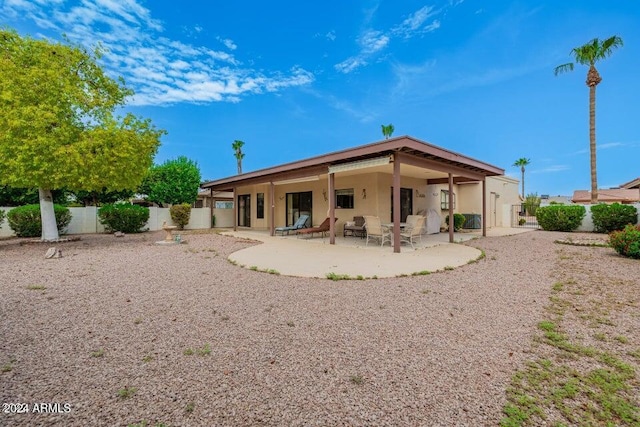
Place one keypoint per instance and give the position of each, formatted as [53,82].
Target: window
[223,205]
[344,198]
[260,205]
[444,200]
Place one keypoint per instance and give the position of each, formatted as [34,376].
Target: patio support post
[235,208]
[484,207]
[451,222]
[272,218]
[396,203]
[332,209]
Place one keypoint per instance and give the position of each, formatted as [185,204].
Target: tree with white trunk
[58,128]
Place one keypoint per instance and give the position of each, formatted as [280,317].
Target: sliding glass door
[406,203]
[299,204]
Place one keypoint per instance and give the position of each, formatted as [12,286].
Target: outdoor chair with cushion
[300,223]
[354,228]
[410,233]
[375,230]
[322,228]
[412,220]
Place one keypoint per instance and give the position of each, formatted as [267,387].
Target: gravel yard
[125,331]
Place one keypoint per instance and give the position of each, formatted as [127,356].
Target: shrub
[608,218]
[458,221]
[560,217]
[2,215]
[180,214]
[531,203]
[26,221]
[627,241]
[123,217]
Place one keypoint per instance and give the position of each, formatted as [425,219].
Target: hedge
[26,220]
[560,217]
[123,217]
[608,218]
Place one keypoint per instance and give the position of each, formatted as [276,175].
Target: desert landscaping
[126,332]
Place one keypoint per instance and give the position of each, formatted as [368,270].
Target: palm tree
[237,148]
[522,162]
[387,130]
[588,54]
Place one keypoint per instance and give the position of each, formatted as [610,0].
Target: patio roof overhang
[407,150]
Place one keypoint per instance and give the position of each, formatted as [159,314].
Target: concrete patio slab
[292,256]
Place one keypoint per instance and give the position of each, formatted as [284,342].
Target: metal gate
[521,218]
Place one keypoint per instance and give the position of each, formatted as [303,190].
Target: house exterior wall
[372,196]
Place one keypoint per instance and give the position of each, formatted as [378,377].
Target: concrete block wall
[85,220]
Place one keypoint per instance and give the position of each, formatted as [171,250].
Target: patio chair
[300,223]
[357,229]
[322,228]
[412,220]
[411,233]
[375,230]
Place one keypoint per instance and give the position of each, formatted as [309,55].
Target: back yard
[129,333]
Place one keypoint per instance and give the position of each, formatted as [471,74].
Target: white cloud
[331,35]
[350,64]
[160,70]
[414,24]
[373,41]
[228,43]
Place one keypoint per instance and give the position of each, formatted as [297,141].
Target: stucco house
[390,179]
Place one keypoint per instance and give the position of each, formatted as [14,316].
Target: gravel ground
[268,350]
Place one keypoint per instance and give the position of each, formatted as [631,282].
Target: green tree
[522,162]
[387,130]
[10,196]
[588,54]
[102,197]
[57,124]
[173,182]
[237,150]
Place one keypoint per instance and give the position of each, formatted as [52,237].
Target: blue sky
[295,79]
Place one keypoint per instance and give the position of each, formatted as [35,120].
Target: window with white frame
[444,200]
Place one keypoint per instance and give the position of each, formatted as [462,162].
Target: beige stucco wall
[372,196]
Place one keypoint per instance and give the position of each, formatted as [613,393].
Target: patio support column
[272,218]
[235,209]
[332,209]
[396,203]
[451,222]
[484,207]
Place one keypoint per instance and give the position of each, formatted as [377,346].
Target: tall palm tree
[387,130]
[237,149]
[588,54]
[522,162]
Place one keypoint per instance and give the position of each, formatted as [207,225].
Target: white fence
[85,220]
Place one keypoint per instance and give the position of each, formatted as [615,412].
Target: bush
[26,221]
[531,204]
[123,217]
[627,241]
[180,214]
[458,221]
[608,218]
[560,217]
[2,215]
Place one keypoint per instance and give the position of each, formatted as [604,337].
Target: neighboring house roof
[622,195]
[410,150]
[634,183]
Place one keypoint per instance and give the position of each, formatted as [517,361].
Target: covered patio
[385,165]
[349,257]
